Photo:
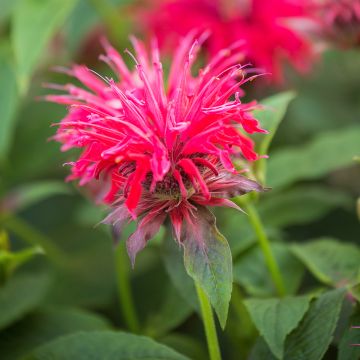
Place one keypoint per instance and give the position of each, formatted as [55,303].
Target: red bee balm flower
[273,31]
[164,150]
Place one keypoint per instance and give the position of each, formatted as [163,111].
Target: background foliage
[58,297]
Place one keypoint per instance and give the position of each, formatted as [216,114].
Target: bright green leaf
[310,340]
[34,22]
[104,345]
[324,154]
[44,326]
[270,118]
[276,318]
[251,271]
[21,294]
[301,205]
[210,263]
[331,261]
[9,101]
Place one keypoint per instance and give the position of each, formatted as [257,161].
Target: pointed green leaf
[331,261]
[104,345]
[313,336]
[46,325]
[324,154]
[209,262]
[21,294]
[34,22]
[270,118]
[276,318]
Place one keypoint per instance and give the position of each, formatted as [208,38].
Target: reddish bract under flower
[273,31]
[161,150]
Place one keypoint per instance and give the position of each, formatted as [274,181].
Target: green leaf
[330,261]
[313,336]
[327,152]
[174,265]
[251,271]
[34,22]
[208,261]
[276,318]
[104,345]
[21,294]
[29,194]
[46,325]
[307,204]
[9,101]
[349,347]
[270,118]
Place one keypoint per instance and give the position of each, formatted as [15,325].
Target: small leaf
[34,22]
[210,263]
[307,204]
[21,294]
[276,318]
[251,271]
[326,153]
[313,336]
[104,345]
[29,194]
[270,118]
[330,261]
[9,101]
[46,325]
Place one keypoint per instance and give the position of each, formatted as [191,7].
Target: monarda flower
[161,151]
[274,32]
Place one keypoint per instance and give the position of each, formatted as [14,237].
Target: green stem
[209,324]
[124,289]
[265,247]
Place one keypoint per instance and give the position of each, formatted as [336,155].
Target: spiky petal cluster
[163,150]
[273,31]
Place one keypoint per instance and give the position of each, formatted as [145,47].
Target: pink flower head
[161,150]
[341,20]
[273,31]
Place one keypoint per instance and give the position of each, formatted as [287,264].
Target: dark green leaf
[331,261]
[44,326]
[270,118]
[251,272]
[313,336]
[208,261]
[104,345]
[328,152]
[276,318]
[301,205]
[34,23]
[21,294]
[349,347]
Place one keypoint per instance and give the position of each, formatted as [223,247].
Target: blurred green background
[312,171]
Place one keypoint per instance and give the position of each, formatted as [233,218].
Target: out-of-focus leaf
[251,272]
[324,154]
[174,264]
[21,294]
[7,8]
[29,194]
[44,326]
[104,345]
[173,311]
[9,100]
[186,345]
[330,261]
[210,263]
[270,118]
[349,344]
[276,318]
[261,351]
[34,22]
[301,205]
[310,340]
[10,261]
